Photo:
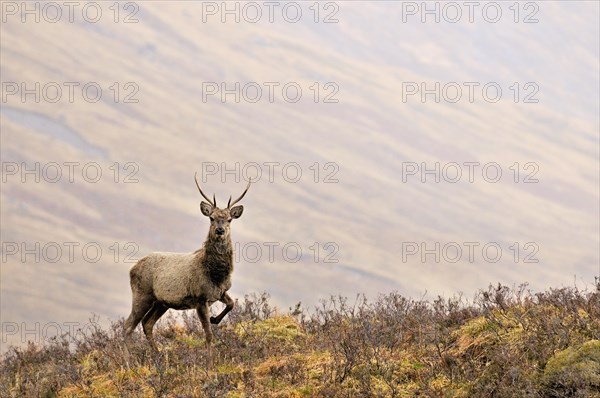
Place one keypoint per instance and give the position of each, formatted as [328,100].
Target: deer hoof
[213,320]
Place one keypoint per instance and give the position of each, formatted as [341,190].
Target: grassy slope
[506,342]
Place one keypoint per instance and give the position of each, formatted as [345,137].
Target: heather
[503,342]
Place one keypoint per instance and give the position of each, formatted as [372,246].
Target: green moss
[574,369]
[306,391]
[191,341]
[227,368]
[474,334]
[281,328]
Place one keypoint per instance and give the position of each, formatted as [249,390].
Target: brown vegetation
[505,343]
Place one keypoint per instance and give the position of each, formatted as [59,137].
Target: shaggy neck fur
[218,258]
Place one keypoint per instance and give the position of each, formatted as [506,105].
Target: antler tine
[240,198]
[213,202]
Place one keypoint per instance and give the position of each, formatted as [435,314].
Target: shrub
[506,342]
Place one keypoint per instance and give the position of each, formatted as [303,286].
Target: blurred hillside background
[359,208]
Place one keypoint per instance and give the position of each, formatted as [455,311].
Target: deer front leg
[228,301]
[202,311]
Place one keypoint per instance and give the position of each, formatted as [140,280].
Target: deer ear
[206,208]
[236,211]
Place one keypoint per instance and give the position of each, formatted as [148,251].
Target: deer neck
[218,258]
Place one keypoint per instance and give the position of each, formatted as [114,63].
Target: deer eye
[211,219]
[229,220]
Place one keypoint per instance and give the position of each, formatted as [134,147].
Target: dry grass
[505,343]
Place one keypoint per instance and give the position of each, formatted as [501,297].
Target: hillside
[357,208]
[505,342]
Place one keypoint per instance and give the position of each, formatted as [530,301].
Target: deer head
[220,219]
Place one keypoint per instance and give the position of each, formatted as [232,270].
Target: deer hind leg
[202,311]
[151,317]
[141,304]
[228,301]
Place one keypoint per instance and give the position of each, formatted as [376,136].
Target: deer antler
[229,204]
[212,202]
